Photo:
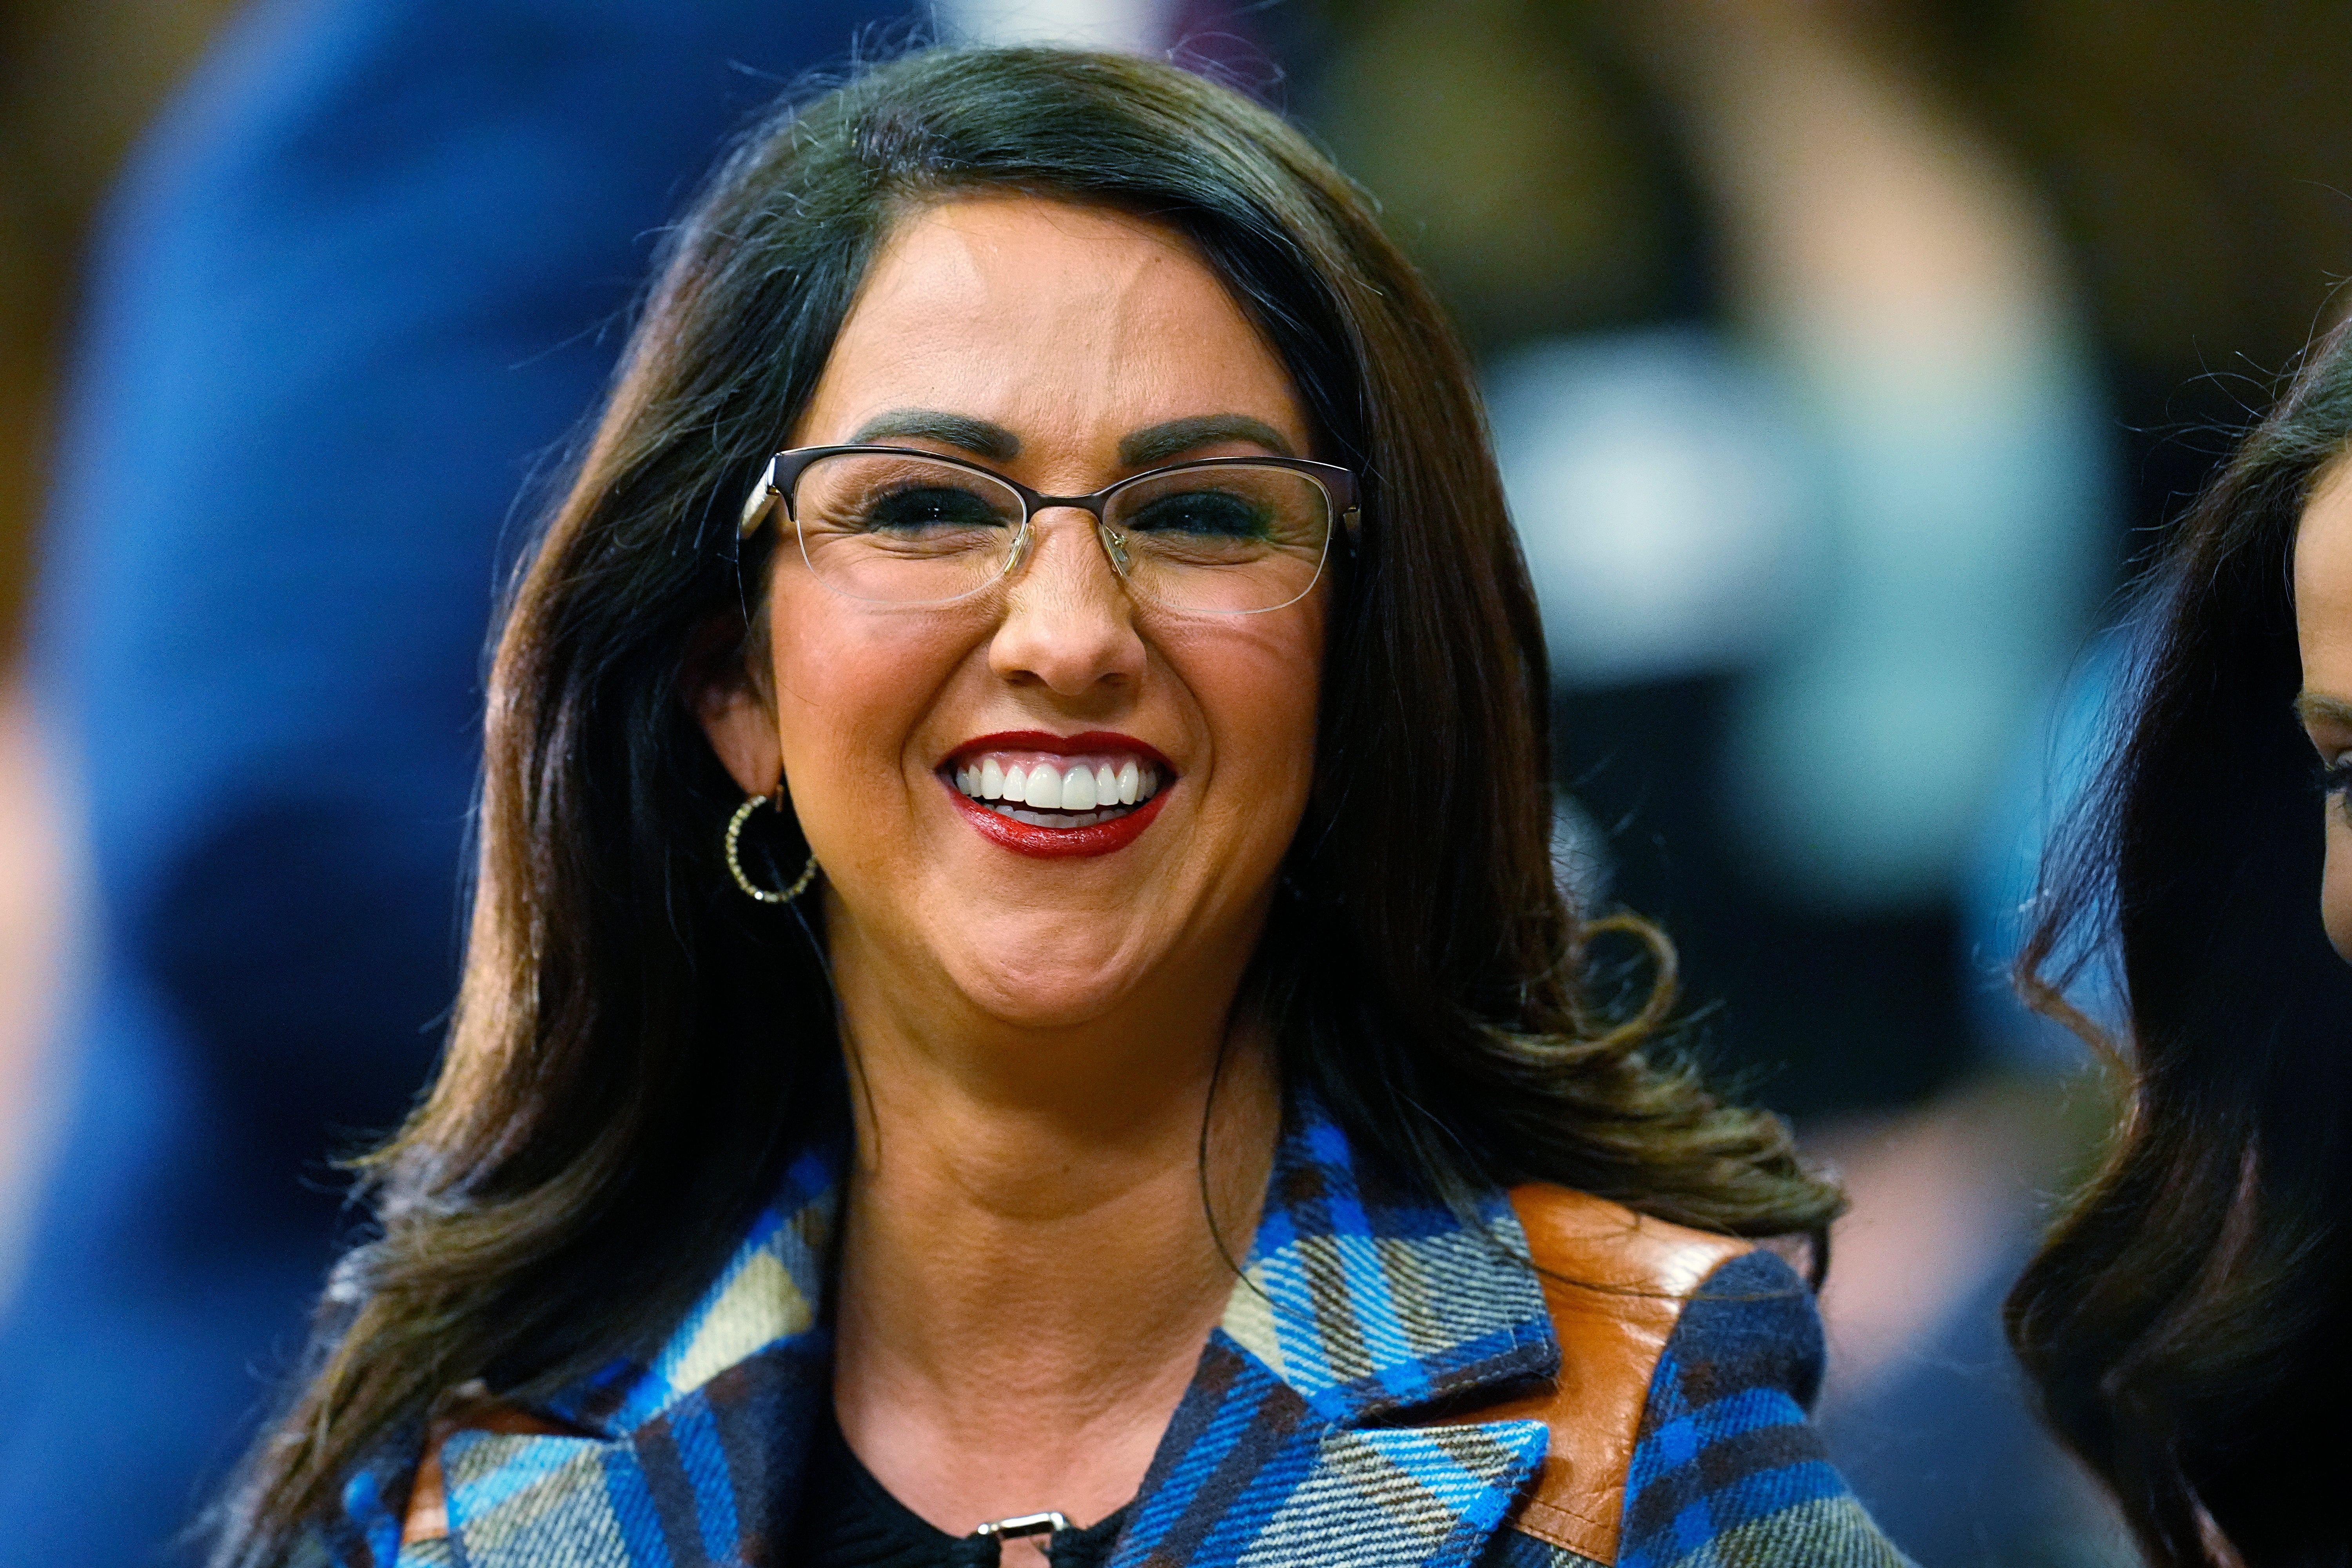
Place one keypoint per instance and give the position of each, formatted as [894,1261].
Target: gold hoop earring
[735,864]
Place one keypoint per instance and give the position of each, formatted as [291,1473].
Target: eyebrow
[1160,443]
[979,437]
[1139,449]
[2315,705]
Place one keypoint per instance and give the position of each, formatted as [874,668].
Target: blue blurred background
[1839,355]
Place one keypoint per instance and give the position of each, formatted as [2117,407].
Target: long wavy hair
[2187,1320]
[635,1042]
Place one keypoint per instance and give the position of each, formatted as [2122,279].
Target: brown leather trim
[467,1410]
[1615,1283]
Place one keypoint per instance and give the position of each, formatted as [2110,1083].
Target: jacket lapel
[692,1458]
[1360,1306]
[1361,1309]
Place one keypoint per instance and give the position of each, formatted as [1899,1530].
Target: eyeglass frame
[784,469]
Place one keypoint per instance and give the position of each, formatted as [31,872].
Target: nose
[1068,623]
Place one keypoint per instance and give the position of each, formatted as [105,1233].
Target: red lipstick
[1058,843]
[1061,746]
[1055,843]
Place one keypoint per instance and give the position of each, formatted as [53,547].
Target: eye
[927,509]
[1211,513]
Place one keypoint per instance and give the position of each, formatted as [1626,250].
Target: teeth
[1079,793]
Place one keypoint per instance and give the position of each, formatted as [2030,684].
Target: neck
[1042,1229]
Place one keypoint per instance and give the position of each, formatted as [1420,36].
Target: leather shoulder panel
[1615,1283]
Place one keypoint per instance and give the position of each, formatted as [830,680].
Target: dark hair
[2186,1321]
[628,1023]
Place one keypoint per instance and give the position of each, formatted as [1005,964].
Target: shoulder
[423,1527]
[1688,1360]
[1613,1283]
[1727,1470]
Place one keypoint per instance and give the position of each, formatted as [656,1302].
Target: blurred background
[1841,354]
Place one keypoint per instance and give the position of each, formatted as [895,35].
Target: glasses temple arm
[755,506]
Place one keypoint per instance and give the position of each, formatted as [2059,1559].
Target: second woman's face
[2323,628]
[1066,348]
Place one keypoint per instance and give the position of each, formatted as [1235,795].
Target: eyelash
[2336,777]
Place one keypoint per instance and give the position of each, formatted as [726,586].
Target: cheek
[2335,885]
[849,693]
[1260,692]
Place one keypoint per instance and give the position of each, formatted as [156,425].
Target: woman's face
[1066,348]
[2323,628]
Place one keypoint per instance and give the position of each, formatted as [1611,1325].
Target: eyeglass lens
[896,529]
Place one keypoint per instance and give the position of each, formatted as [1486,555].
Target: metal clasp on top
[1022,1525]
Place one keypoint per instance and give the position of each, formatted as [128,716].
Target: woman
[1016,954]
[2187,1321]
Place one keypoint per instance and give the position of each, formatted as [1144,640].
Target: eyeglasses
[1228,536]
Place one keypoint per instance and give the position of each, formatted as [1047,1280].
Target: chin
[1043,992]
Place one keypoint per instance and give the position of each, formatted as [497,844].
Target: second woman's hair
[637,1047]
[2187,1321]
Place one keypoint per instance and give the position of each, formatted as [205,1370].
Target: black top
[849,1519]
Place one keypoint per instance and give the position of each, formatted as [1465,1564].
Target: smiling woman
[1149,1107]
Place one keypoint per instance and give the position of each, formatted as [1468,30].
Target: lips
[1050,796]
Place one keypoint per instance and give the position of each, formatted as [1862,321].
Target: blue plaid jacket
[1296,1444]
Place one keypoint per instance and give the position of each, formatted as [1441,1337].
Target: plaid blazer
[1296,1443]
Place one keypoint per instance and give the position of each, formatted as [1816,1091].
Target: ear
[735,714]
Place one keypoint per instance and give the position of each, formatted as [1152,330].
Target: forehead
[1038,314]
[2323,569]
